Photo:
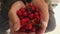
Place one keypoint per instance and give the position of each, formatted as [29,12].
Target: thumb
[15,21]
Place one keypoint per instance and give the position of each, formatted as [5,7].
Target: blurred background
[54,3]
[57,17]
[56,9]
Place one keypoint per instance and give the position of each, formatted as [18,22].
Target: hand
[14,21]
[44,14]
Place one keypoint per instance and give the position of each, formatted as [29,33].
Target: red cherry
[29,4]
[29,26]
[31,16]
[33,29]
[32,8]
[21,17]
[37,13]
[25,14]
[22,10]
[27,19]
[37,17]
[23,21]
[22,29]
[19,13]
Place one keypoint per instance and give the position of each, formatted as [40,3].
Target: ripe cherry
[23,21]
[29,4]
[37,13]
[19,13]
[33,29]
[25,14]
[32,8]
[37,17]
[22,29]
[22,10]
[31,16]
[28,26]
[27,19]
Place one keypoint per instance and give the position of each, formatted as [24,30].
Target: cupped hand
[14,20]
[42,6]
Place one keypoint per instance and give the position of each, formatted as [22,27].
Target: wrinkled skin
[15,22]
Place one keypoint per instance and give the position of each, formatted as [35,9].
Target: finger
[11,27]
[23,33]
[40,4]
[40,33]
[20,33]
[12,30]
[13,16]
[31,33]
[42,29]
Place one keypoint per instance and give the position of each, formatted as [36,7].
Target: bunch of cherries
[29,18]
